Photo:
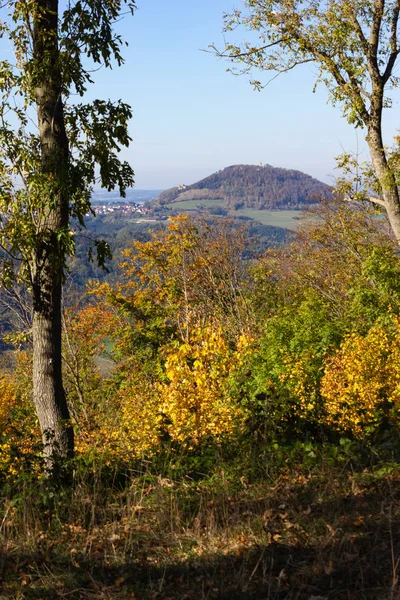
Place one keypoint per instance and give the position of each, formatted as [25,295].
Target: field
[194,204]
[288,219]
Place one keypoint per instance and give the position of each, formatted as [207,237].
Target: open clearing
[195,204]
[288,219]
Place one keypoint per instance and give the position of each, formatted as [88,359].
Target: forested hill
[251,186]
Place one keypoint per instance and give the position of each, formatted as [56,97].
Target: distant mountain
[251,186]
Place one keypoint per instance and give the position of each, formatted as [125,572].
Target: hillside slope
[251,186]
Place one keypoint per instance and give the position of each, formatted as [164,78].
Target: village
[126,208]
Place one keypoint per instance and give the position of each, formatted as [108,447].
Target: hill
[251,186]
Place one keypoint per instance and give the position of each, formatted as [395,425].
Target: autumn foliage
[194,348]
[19,429]
[176,329]
[361,383]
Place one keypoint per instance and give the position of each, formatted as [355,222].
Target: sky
[192,117]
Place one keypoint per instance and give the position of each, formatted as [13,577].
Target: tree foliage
[338,277]
[179,327]
[195,352]
[355,46]
[182,277]
[96,130]
[51,151]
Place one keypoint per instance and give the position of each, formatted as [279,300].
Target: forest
[215,417]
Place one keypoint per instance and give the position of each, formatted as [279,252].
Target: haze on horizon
[192,118]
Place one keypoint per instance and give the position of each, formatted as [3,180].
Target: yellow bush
[138,420]
[298,379]
[187,401]
[195,399]
[361,383]
[19,432]
[8,397]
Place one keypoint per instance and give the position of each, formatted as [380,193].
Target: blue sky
[192,118]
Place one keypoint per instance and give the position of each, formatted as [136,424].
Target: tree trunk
[390,192]
[47,266]
[48,391]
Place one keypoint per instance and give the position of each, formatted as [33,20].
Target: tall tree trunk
[48,259]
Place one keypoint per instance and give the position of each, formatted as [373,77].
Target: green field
[289,219]
[194,204]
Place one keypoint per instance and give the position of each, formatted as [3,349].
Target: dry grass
[327,536]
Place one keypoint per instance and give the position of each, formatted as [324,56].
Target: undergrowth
[319,531]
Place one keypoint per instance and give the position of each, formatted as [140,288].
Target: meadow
[193,205]
[288,219]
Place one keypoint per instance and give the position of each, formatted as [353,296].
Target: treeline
[120,232]
[250,186]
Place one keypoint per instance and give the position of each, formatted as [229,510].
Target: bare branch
[251,52]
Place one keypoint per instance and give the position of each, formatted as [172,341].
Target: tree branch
[377,201]
[251,52]
[376,26]
[393,44]
[352,87]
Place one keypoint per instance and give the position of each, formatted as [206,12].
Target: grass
[194,204]
[333,534]
[288,219]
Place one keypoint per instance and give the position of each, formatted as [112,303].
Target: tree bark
[390,192]
[47,265]
[48,391]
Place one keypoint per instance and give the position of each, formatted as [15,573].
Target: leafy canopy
[83,40]
[354,43]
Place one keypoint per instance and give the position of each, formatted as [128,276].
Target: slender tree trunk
[48,259]
[390,192]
